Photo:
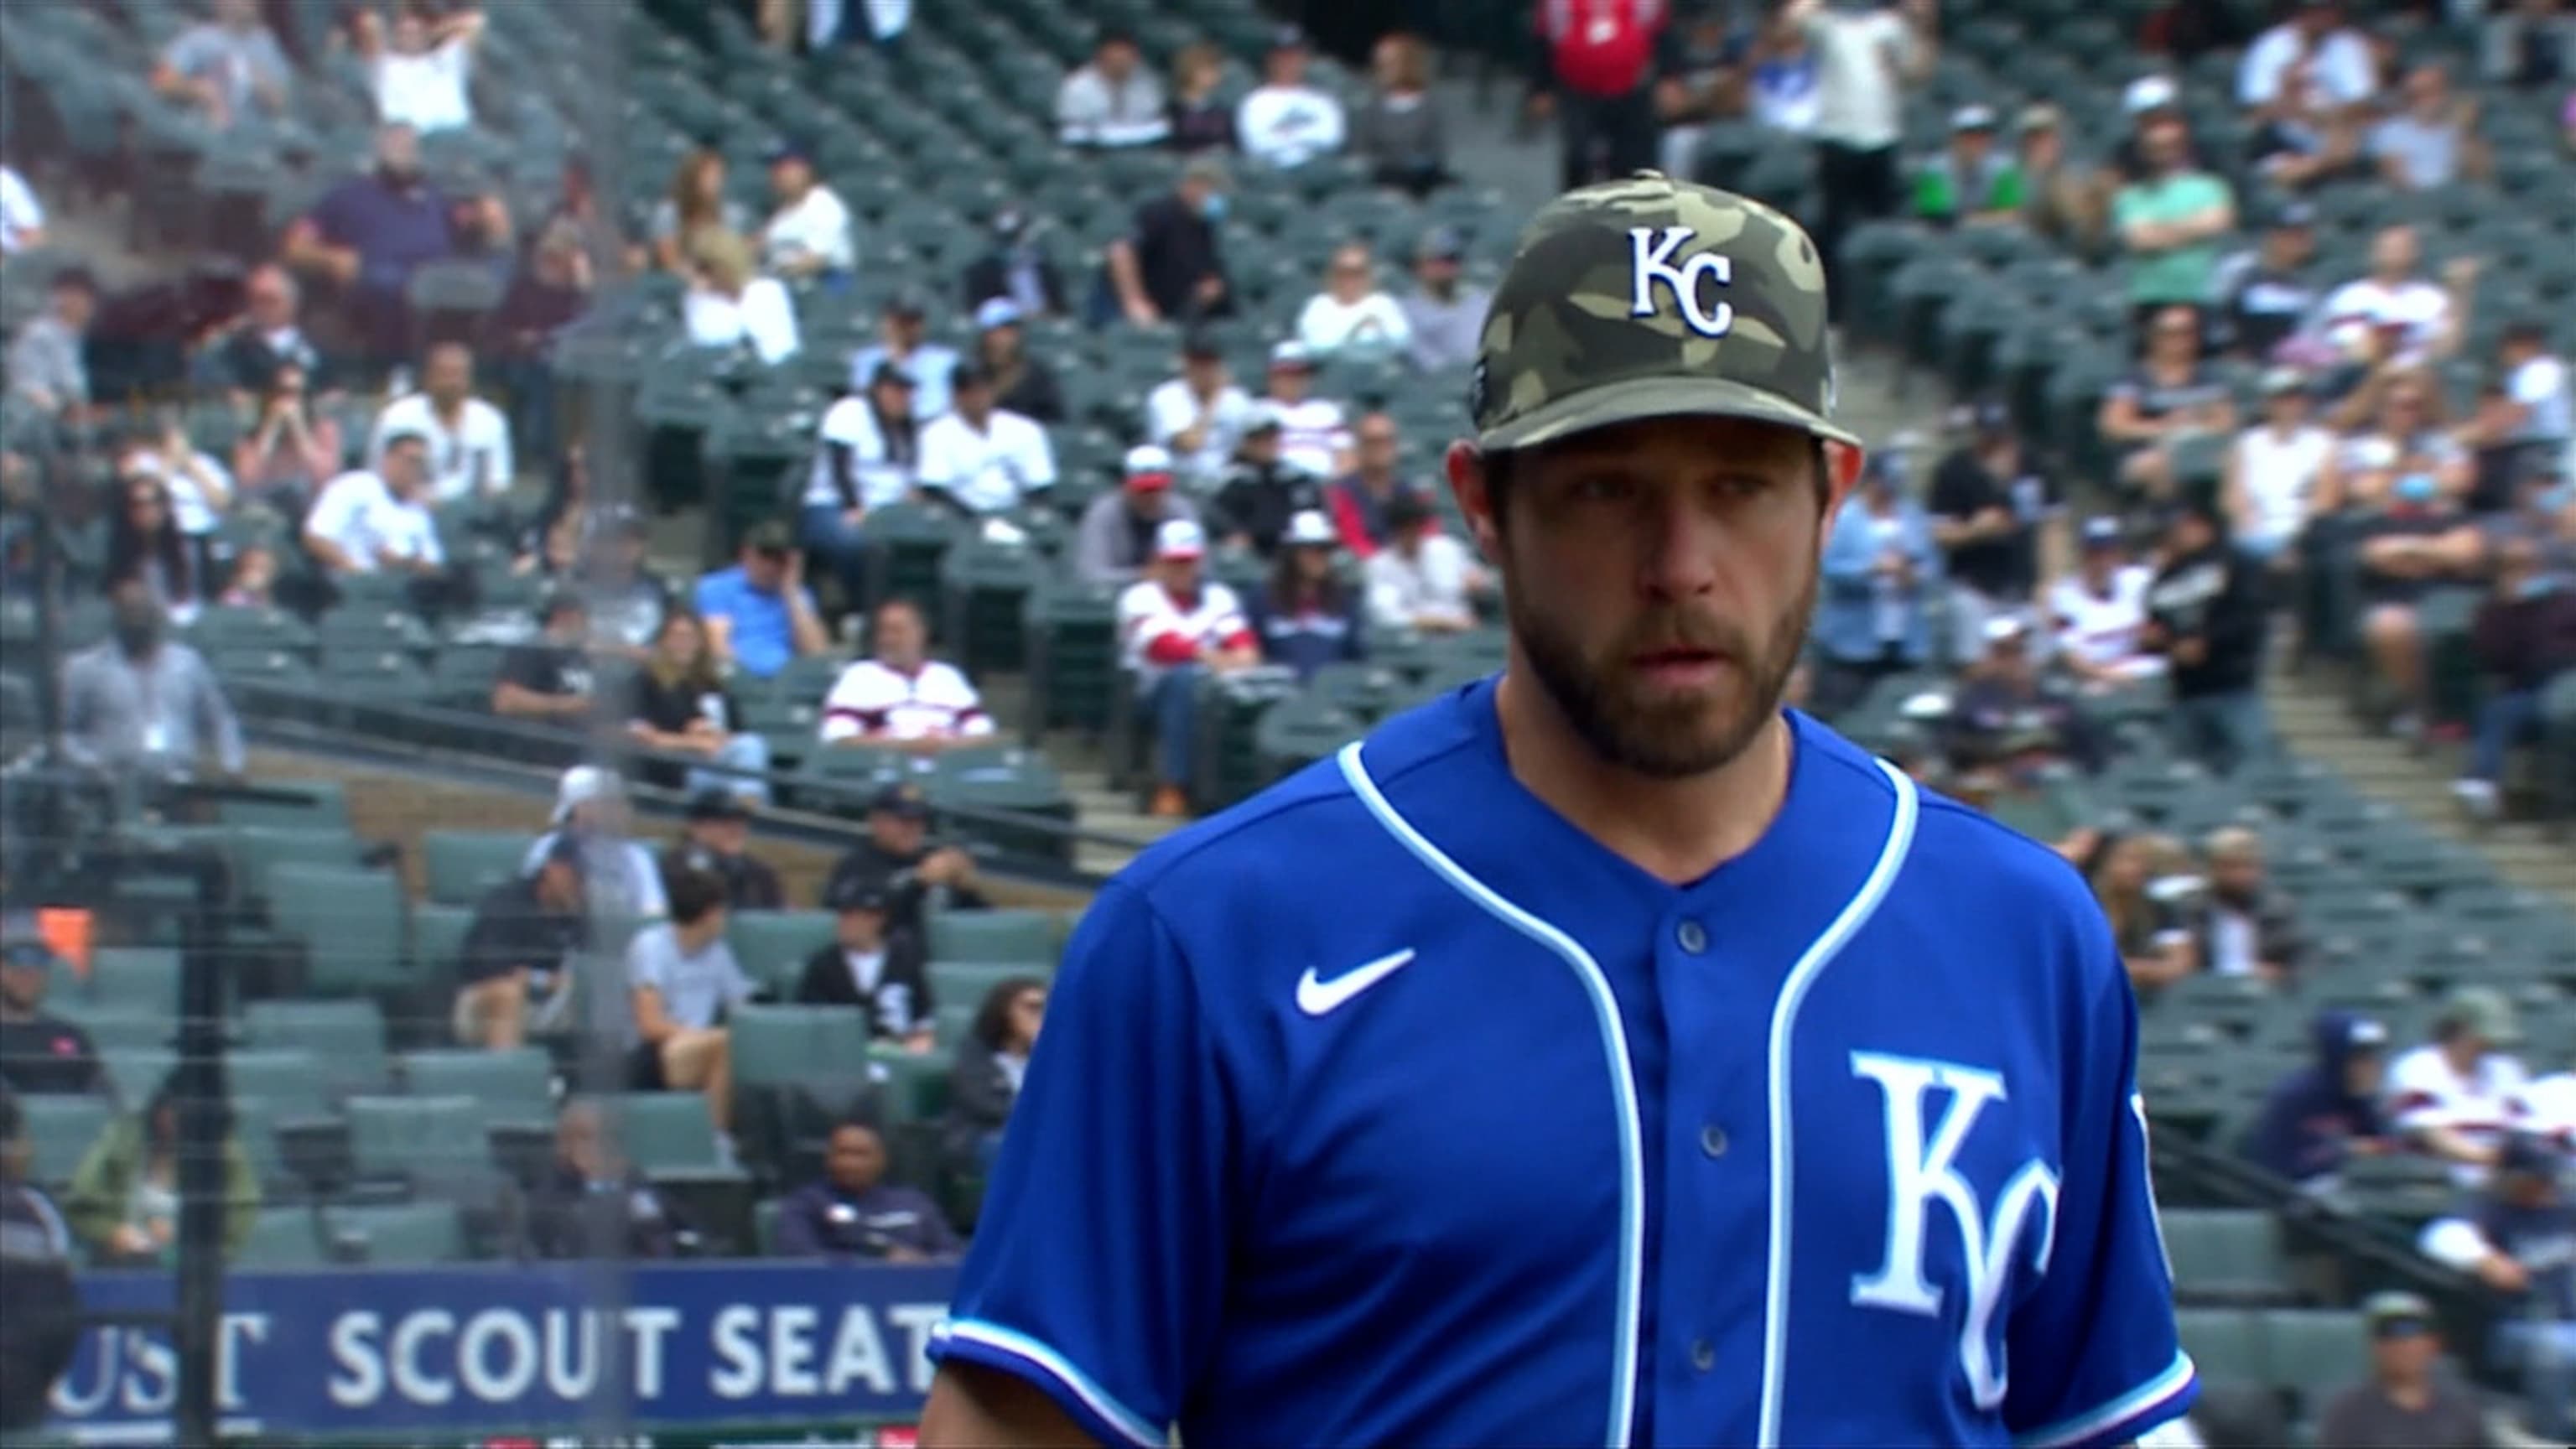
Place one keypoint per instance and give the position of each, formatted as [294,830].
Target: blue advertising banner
[522,1348]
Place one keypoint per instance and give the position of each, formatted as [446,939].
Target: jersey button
[1691,936]
[1703,1355]
[1712,1140]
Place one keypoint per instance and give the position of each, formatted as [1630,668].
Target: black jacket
[902,1002]
[41,1328]
[750,885]
[1258,500]
[980,1098]
[988,277]
[641,1222]
[894,875]
[2528,641]
[2215,596]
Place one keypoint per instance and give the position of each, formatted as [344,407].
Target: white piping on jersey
[2176,1377]
[1056,1366]
[1614,1045]
[1784,1025]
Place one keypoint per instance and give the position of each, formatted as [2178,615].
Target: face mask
[1213,209]
[2538,586]
[2416,488]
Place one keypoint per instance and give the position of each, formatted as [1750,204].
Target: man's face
[1659,578]
[447,375]
[1288,383]
[2163,142]
[1262,446]
[1149,503]
[1377,445]
[726,838]
[1286,66]
[897,834]
[2101,561]
[1204,374]
[559,887]
[2394,253]
[765,569]
[790,177]
[1118,60]
[568,626]
[904,330]
[2237,876]
[1437,274]
[2362,1072]
[1179,572]
[582,1144]
[901,639]
[76,306]
[2406,1357]
[1972,147]
[855,1161]
[398,150]
[1349,274]
[861,930]
[2428,90]
[270,299]
[974,403]
[406,466]
[22,987]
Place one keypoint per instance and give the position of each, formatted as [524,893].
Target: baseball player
[1599,1053]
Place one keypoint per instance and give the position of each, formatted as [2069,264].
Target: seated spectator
[1022,383]
[201,489]
[22,217]
[870,457]
[903,333]
[715,840]
[898,859]
[1444,317]
[1115,539]
[1970,182]
[682,980]
[1424,581]
[729,305]
[2154,942]
[2009,707]
[2399,320]
[293,448]
[2247,927]
[1262,492]
[514,971]
[1995,512]
[369,233]
[590,810]
[1880,569]
[2518,1239]
[627,599]
[1171,265]
[979,459]
[1307,619]
[146,551]
[2456,1096]
[423,75]
[2525,641]
[1201,416]
[1284,121]
[1015,271]
[696,203]
[592,1203]
[2206,616]
[226,67]
[124,1199]
[681,707]
[2268,483]
[1174,628]
[142,703]
[2306,83]
[2264,295]
[2324,1113]
[2407,1399]
[373,522]
[246,356]
[547,294]
[1352,316]
[1702,76]
[2147,103]
[469,439]
[1113,102]
[884,972]
[1360,501]
[900,696]
[2061,200]
[564,533]
[2432,139]
[48,364]
[1784,76]
[1200,119]
[2100,611]
[2530,44]
[2172,395]
[41,1054]
[853,1214]
[1398,130]
[2170,221]
[808,233]
[254,580]
[991,1063]
[2401,490]
[758,613]
[2530,417]
[1315,434]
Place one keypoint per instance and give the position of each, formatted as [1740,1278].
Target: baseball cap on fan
[1654,298]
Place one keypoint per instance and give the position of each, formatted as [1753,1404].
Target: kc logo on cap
[1650,260]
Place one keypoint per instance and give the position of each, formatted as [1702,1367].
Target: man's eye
[1601,489]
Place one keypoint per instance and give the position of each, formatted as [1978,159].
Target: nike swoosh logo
[1317,997]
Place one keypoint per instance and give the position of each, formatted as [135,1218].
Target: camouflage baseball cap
[1650,298]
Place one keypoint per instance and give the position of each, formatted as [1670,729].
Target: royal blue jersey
[1389,1107]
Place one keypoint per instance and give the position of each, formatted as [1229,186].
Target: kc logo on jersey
[1650,260]
[1923,1175]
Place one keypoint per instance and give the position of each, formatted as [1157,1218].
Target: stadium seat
[966,983]
[2225,1256]
[507,1087]
[421,1140]
[119,1028]
[772,945]
[777,1044]
[662,1131]
[350,923]
[254,852]
[1022,938]
[438,941]
[346,1038]
[135,978]
[283,1075]
[402,1234]
[2312,1353]
[462,865]
[282,1237]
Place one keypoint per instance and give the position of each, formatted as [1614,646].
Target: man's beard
[1677,736]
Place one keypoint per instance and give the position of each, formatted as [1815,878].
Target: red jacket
[1601,47]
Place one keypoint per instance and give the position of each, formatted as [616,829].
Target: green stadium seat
[282,1237]
[438,941]
[779,1044]
[2313,1352]
[916,1086]
[137,978]
[350,923]
[420,1139]
[278,1074]
[662,1131]
[462,865]
[113,1027]
[254,852]
[513,1087]
[955,1021]
[60,1132]
[346,1038]
[134,1073]
[772,945]
[966,983]
[407,1234]
[994,937]
[2225,1255]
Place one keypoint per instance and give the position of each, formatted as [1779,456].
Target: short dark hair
[693,894]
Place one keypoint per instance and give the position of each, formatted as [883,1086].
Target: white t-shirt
[472,457]
[2420,307]
[1289,125]
[1404,593]
[852,425]
[1313,435]
[763,316]
[989,471]
[2103,632]
[818,226]
[2542,386]
[2339,74]
[2424,1092]
[2549,1109]
[1374,322]
[1171,407]
[189,506]
[360,514]
[2279,474]
[874,701]
[20,213]
[426,92]
[1860,97]
[1147,612]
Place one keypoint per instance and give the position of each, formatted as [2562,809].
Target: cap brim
[1638,399]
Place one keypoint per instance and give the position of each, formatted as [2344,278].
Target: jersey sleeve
[1098,1268]
[2093,1352]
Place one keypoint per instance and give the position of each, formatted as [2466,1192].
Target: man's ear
[1842,463]
[1465,465]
